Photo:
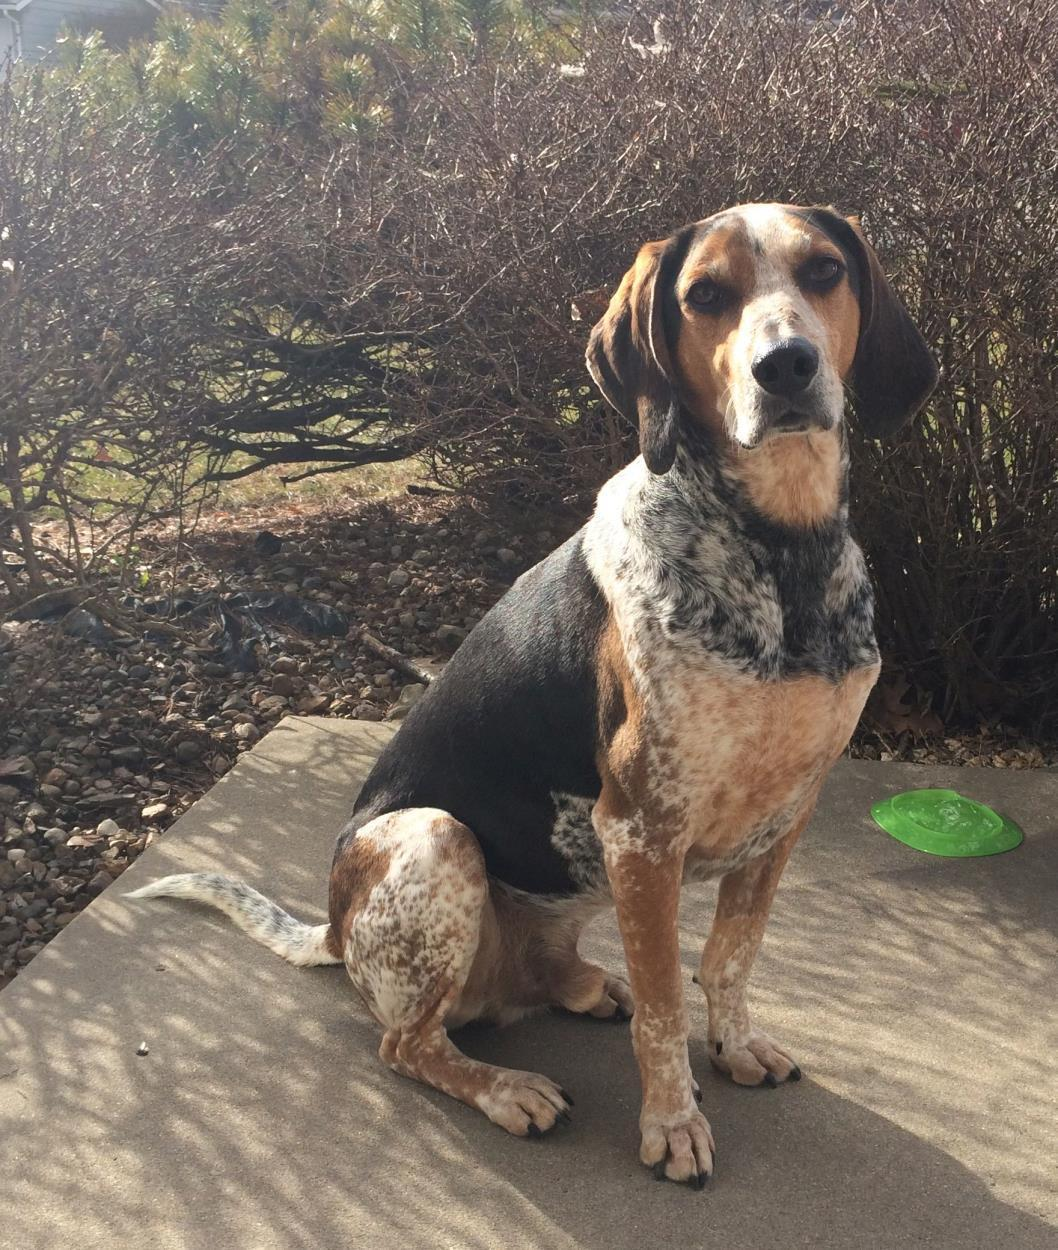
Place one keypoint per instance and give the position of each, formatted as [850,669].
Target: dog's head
[752,324]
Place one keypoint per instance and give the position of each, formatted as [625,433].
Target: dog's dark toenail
[720,1048]
[699,1181]
[659,1171]
[568,1097]
[795,1075]
[697,1094]
[694,978]
[565,1117]
[534,1130]
[770,1080]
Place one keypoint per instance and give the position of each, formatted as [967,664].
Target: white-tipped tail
[303,944]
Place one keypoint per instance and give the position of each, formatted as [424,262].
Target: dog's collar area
[709,475]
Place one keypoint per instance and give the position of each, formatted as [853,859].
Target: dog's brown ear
[629,359]
[893,371]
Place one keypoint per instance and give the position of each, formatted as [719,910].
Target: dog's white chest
[741,758]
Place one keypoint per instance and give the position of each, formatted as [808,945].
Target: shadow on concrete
[920,1003]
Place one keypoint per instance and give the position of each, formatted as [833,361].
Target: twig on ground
[49,604]
[394,658]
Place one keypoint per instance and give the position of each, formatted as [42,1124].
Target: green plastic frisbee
[942,822]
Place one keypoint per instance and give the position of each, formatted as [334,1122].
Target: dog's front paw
[678,1150]
[752,1058]
[524,1103]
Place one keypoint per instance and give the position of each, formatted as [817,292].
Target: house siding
[43,20]
[8,41]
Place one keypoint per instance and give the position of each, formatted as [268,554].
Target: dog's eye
[822,271]
[707,295]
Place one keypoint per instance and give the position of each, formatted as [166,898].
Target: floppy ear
[893,371]
[628,359]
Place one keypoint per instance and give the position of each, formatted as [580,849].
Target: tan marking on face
[707,343]
[838,309]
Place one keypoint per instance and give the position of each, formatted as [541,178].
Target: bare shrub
[378,257]
[158,314]
[513,189]
[89,327]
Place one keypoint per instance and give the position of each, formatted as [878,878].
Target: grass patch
[370,481]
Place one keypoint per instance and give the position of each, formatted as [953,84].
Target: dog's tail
[303,944]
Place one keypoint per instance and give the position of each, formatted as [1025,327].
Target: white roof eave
[16,6]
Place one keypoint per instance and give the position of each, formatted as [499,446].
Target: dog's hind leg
[573,983]
[410,901]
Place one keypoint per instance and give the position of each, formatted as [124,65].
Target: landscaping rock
[99,882]
[450,636]
[18,771]
[131,755]
[267,544]
[407,698]
[187,751]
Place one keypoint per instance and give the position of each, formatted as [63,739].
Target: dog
[658,700]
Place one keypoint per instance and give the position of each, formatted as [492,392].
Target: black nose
[786,367]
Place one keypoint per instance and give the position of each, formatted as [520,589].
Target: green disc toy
[942,822]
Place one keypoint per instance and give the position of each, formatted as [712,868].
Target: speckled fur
[434,944]
[298,943]
[573,836]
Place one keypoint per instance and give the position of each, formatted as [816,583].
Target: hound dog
[660,699]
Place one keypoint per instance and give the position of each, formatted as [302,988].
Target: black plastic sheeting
[251,617]
[319,620]
[243,620]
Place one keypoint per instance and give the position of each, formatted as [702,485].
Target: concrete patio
[919,995]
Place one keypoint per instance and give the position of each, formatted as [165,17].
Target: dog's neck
[797,482]
[695,562]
